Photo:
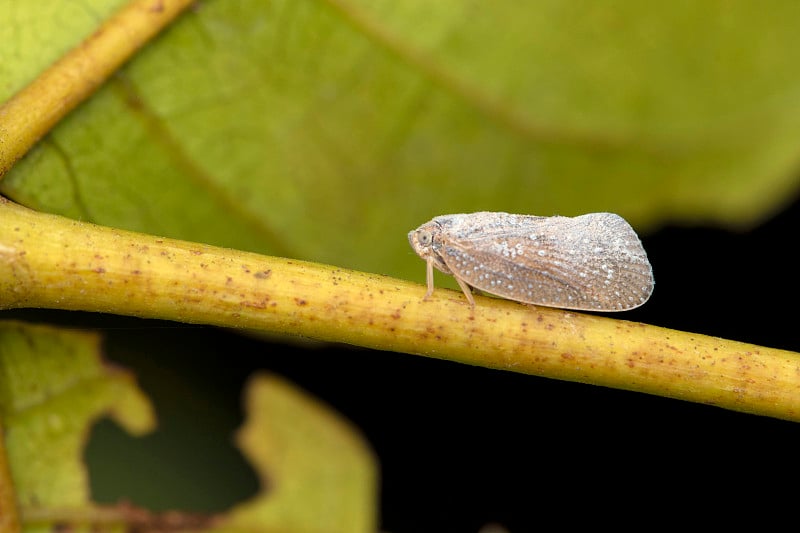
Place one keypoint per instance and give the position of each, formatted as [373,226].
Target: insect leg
[467,291]
[429,279]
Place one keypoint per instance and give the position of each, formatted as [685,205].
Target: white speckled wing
[591,262]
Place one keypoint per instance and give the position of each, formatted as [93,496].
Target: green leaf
[317,473]
[327,130]
[53,386]
[37,33]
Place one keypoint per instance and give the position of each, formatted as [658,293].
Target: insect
[592,262]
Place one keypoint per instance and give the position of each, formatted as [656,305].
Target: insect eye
[425,238]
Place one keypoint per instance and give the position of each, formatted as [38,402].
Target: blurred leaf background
[327,130]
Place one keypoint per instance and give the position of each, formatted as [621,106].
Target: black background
[461,447]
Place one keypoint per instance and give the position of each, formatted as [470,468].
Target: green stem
[9,519]
[53,262]
[32,112]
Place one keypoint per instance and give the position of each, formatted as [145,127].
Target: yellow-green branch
[33,111]
[9,519]
[53,262]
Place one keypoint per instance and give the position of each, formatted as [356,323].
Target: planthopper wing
[593,262]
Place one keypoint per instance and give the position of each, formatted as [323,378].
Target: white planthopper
[592,262]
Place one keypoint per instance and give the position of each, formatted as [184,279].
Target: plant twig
[114,517]
[33,111]
[48,261]
[9,519]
